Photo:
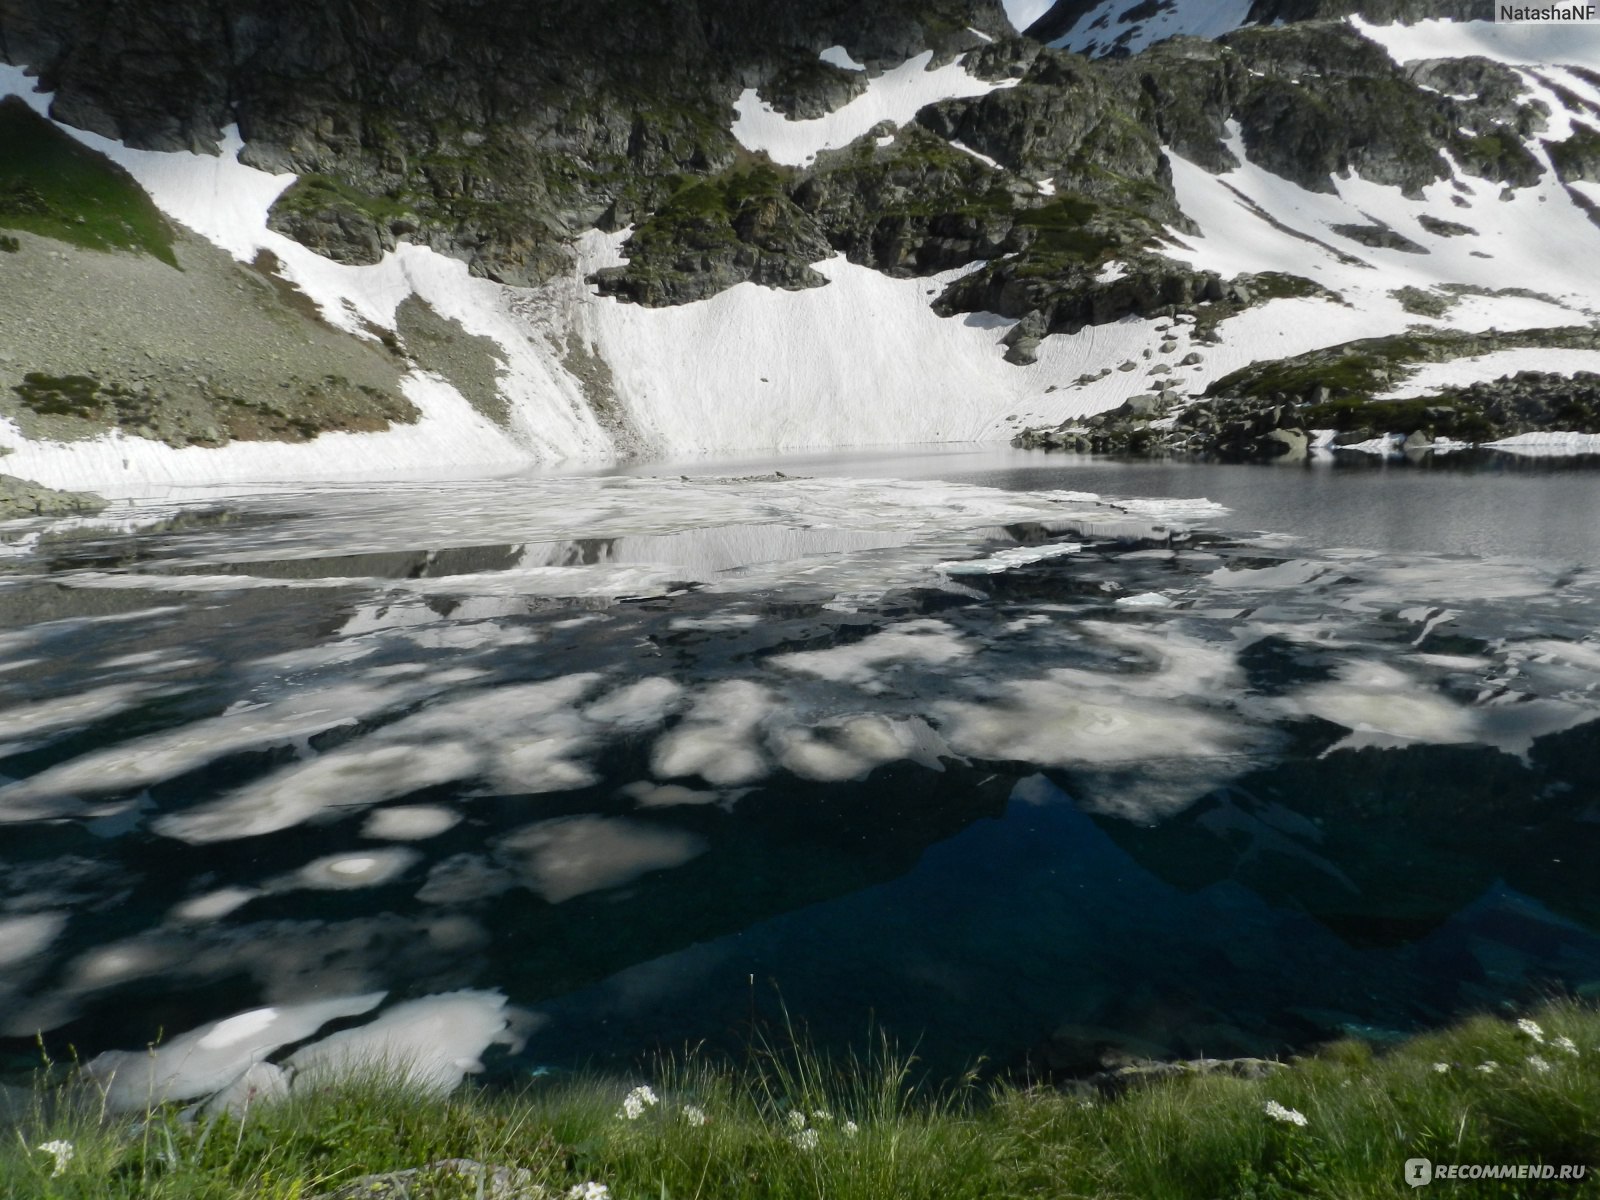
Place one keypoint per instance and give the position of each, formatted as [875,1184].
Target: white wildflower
[1287,1115]
[797,1119]
[1531,1028]
[694,1114]
[63,1152]
[821,1117]
[1489,1068]
[589,1191]
[850,1128]
[806,1139]
[1441,1068]
[635,1102]
[1538,1064]
[1565,1043]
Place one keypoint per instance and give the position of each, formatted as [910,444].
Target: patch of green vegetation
[55,187]
[1073,229]
[1369,366]
[10,245]
[1350,412]
[793,1124]
[317,193]
[60,395]
[1578,157]
[709,213]
[1278,285]
[1491,156]
[1354,369]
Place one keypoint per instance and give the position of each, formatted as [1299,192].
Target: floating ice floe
[208,1059]
[1004,560]
[427,1045]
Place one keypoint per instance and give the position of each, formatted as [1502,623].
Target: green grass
[867,1130]
[314,193]
[53,186]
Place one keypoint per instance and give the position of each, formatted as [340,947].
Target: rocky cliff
[1315,171]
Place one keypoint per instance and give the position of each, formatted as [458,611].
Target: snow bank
[1487,368]
[1513,43]
[894,96]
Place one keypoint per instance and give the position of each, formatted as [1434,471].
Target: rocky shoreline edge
[1342,398]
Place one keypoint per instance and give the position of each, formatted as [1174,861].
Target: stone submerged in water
[22,498]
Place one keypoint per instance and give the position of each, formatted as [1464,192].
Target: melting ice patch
[427,1044]
[410,823]
[864,662]
[209,1058]
[852,747]
[719,740]
[521,737]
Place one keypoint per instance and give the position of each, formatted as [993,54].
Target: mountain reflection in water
[1022,774]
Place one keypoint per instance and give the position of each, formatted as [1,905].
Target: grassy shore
[792,1124]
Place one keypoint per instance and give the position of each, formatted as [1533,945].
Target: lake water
[1229,760]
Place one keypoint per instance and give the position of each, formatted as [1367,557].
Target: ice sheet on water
[866,661]
[24,936]
[427,1044]
[719,740]
[523,737]
[209,1058]
[410,822]
[852,747]
[345,872]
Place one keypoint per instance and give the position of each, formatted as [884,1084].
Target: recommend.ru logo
[1422,1171]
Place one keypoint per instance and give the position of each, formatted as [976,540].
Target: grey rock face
[23,498]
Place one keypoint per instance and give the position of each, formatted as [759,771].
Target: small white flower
[1287,1115]
[63,1152]
[1531,1028]
[1538,1064]
[1565,1043]
[797,1119]
[635,1102]
[694,1114]
[1441,1068]
[850,1128]
[589,1191]
[821,1117]
[806,1139]
[1489,1068]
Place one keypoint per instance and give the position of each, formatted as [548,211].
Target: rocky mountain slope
[249,240]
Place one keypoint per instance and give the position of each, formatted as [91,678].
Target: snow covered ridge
[863,360]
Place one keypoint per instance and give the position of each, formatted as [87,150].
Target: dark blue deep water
[1015,773]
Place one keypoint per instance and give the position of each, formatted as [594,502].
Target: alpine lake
[1025,760]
